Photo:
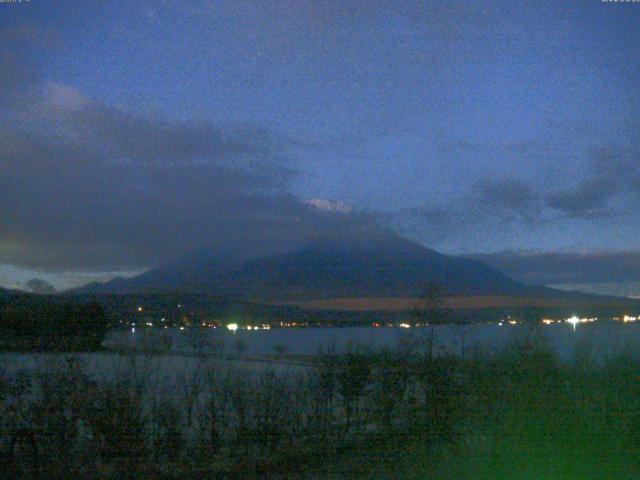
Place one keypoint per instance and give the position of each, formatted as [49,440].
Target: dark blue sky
[472,127]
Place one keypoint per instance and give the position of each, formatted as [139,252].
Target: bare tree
[241,347]
[279,349]
[431,310]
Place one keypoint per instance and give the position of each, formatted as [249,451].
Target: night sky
[130,131]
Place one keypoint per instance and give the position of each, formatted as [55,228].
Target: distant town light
[405,325]
[139,309]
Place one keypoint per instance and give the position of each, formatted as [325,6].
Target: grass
[516,414]
[527,418]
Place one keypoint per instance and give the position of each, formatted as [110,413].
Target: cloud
[329,205]
[588,200]
[23,49]
[614,173]
[432,223]
[509,197]
[489,202]
[87,186]
[605,192]
[549,268]
[63,96]
[39,286]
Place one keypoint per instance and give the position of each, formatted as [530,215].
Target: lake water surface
[602,339]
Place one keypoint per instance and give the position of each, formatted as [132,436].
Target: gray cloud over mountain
[112,189]
[89,186]
[37,285]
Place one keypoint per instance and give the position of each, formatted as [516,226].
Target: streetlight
[233,327]
[573,321]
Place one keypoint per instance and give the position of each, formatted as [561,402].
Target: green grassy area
[526,417]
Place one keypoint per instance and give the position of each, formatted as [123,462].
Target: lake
[602,339]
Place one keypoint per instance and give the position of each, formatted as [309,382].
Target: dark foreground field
[517,413]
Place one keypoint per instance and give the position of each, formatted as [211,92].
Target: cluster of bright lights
[210,325]
[292,324]
[508,320]
[548,321]
[575,320]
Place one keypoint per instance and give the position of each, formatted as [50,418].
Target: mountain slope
[361,260]
[4,293]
